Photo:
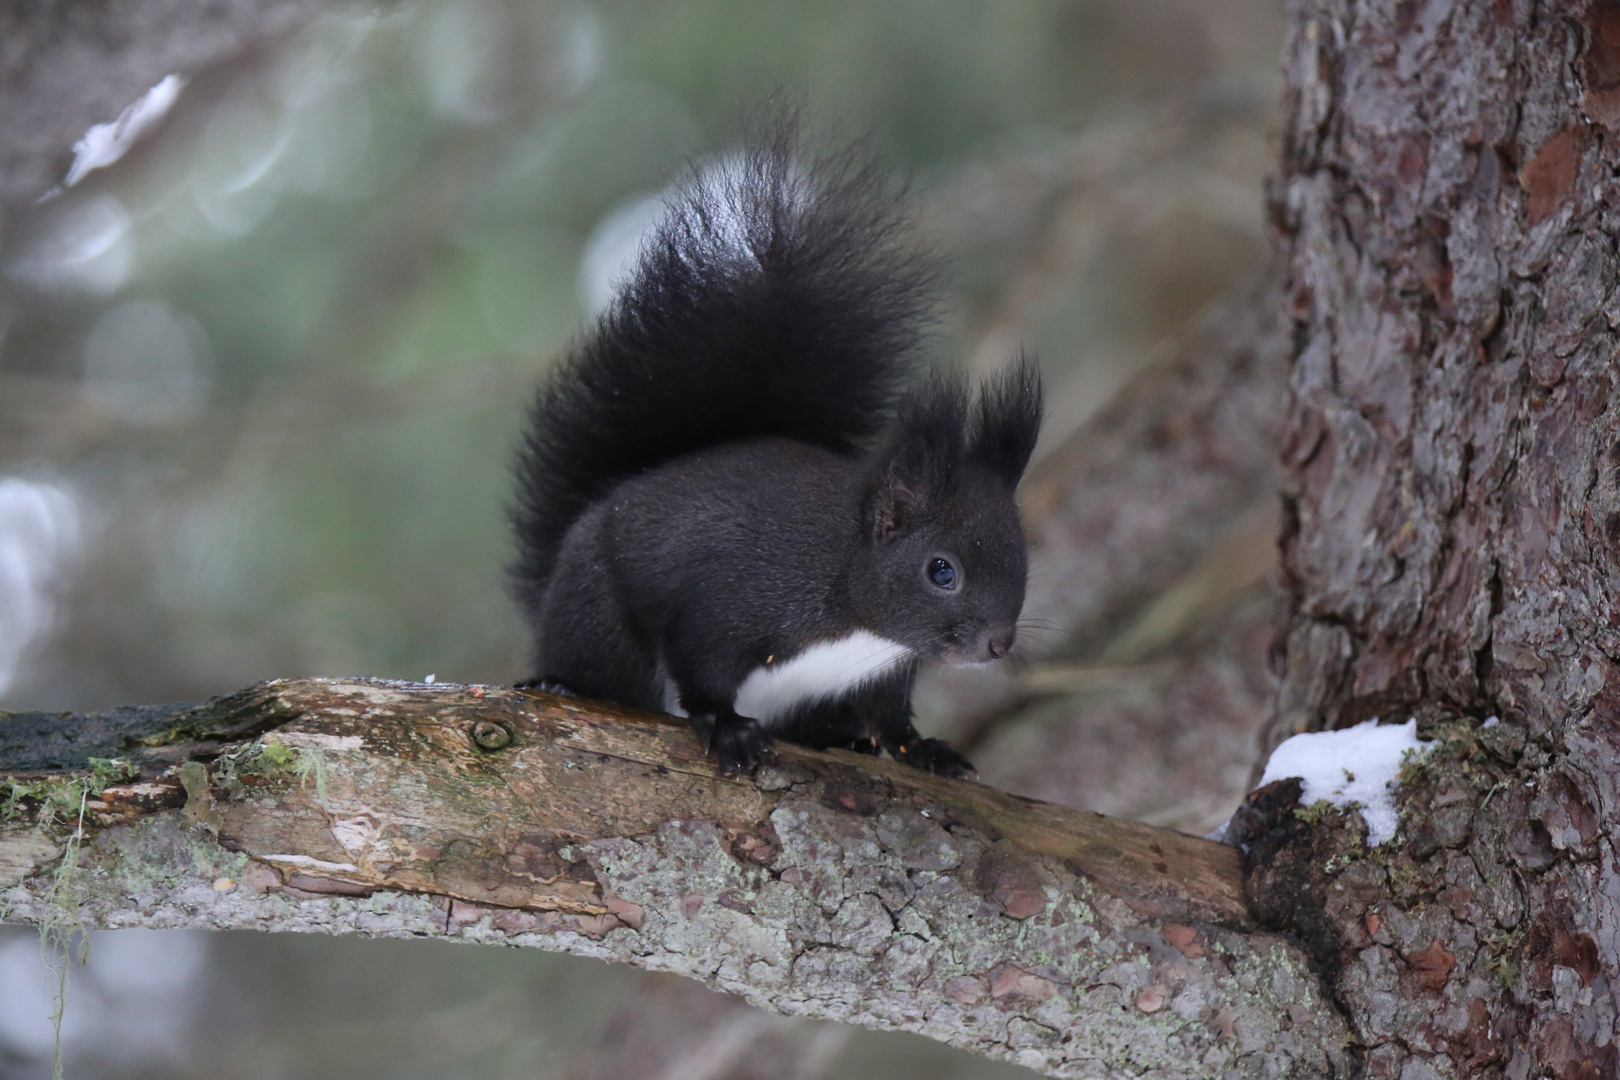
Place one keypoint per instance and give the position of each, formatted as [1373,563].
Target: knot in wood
[489,735]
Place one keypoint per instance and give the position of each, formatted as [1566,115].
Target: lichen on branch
[828,885]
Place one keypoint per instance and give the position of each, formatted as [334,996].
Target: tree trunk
[1451,534]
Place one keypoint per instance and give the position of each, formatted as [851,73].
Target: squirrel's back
[774,297]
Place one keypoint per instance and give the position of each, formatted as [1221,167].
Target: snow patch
[1356,766]
[106,143]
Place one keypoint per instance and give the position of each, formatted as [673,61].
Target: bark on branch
[829,885]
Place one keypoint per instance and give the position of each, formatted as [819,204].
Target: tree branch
[830,884]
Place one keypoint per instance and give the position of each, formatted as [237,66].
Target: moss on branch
[829,884]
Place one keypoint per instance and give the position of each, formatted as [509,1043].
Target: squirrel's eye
[942,574]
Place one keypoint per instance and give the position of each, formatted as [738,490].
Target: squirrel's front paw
[740,742]
[937,756]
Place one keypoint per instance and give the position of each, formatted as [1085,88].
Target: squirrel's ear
[916,468]
[1008,420]
[893,506]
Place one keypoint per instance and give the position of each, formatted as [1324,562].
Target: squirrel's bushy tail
[775,296]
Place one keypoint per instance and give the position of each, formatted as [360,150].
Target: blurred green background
[260,380]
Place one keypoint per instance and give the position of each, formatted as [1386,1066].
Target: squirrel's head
[946,563]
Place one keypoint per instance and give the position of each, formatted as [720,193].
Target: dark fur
[743,460]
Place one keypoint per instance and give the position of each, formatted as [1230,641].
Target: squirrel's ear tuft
[918,464]
[1008,420]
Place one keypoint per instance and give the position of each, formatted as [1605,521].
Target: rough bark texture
[829,885]
[1452,532]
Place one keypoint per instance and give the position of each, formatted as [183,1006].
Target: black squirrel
[741,500]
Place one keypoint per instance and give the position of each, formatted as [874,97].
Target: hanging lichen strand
[829,884]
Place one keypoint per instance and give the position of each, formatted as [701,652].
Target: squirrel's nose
[1001,644]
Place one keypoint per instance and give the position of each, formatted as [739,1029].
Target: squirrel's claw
[743,745]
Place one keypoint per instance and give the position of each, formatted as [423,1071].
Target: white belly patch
[827,669]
